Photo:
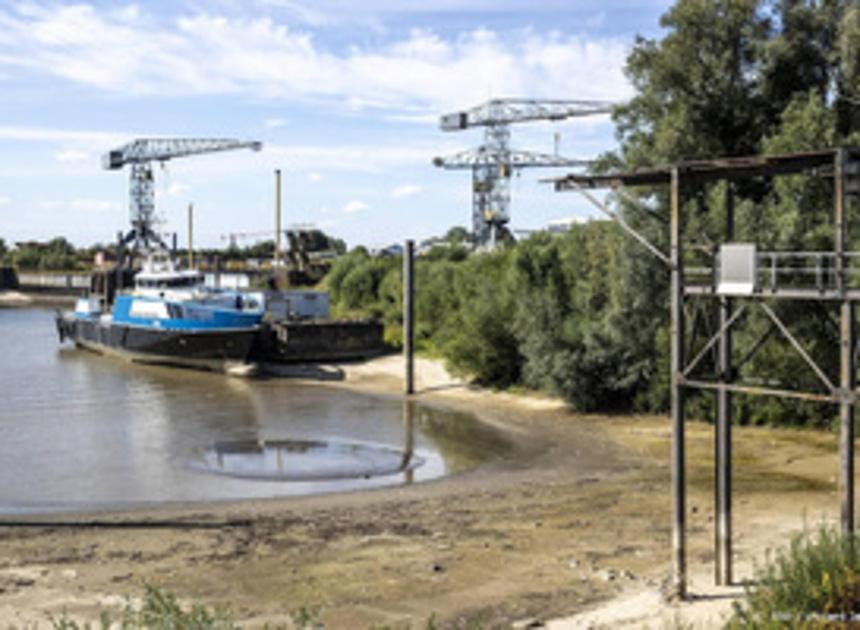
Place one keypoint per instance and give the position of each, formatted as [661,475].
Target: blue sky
[345,95]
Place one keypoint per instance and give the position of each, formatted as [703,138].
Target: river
[80,431]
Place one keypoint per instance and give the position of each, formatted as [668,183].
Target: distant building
[395,249]
[564,225]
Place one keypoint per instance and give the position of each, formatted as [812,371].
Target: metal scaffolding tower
[493,163]
[734,280]
[140,154]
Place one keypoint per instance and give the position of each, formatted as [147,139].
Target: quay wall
[59,283]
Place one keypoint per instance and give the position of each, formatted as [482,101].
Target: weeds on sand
[160,609]
[814,583]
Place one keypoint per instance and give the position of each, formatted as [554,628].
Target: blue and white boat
[170,317]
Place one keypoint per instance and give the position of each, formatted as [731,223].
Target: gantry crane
[140,154]
[493,163]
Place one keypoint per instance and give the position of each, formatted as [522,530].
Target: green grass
[161,610]
[814,583]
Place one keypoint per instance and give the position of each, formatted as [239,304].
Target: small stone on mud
[528,624]
[437,568]
[573,564]
[695,509]
[69,574]
[609,575]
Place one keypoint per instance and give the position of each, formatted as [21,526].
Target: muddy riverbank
[575,516]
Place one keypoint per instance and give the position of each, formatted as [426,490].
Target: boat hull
[223,350]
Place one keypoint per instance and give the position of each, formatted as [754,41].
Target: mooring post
[191,236]
[679,559]
[723,450]
[117,281]
[408,439]
[217,272]
[409,315]
[847,370]
[278,221]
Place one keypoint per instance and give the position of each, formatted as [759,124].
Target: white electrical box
[738,269]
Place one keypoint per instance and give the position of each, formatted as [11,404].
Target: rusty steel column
[409,315]
[723,428]
[679,551]
[847,373]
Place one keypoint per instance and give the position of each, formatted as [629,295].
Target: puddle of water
[305,460]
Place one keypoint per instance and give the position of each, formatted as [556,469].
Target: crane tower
[140,154]
[493,163]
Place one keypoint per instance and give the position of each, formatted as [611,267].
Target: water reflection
[305,460]
[314,460]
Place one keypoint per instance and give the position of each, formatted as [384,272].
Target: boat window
[174,311]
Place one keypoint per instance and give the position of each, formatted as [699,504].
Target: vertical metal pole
[409,315]
[847,382]
[277,220]
[679,552]
[191,236]
[408,440]
[723,459]
[174,245]
[847,374]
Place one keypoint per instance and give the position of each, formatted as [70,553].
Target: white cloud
[5,201]
[82,204]
[406,190]
[203,53]
[47,134]
[71,155]
[354,206]
[176,189]
[362,158]
[315,177]
[275,123]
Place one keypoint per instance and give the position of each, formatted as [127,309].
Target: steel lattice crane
[493,163]
[140,154]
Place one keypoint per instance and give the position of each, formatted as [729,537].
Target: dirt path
[576,515]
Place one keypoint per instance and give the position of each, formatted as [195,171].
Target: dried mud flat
[571,526]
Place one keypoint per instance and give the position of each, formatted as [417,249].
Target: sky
[344,95]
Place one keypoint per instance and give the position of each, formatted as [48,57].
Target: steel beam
[725,325]
[847,369]
[761,391]
[811,295]
[723,428]
[796,345]
[616,216]
[679,507]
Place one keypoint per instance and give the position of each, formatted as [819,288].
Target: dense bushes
[815,583]
[546,313]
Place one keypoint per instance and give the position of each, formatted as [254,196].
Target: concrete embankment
[40,289]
